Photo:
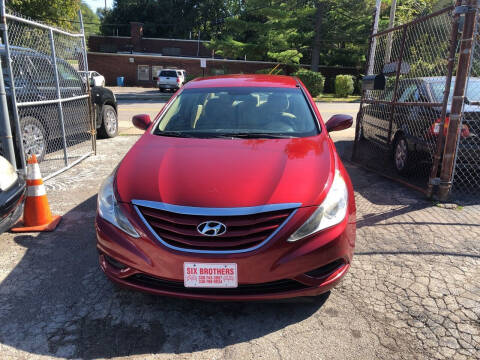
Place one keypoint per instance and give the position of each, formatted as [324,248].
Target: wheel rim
[110,121]
[33,140]
[401,154]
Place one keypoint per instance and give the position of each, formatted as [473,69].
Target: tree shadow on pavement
[57,302]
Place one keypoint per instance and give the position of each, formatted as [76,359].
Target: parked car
[94,77]
[170,79]
[225,197]
[35,81]
[12,195]
[415,128]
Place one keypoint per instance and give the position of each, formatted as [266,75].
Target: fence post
[397,80]
[448,82]
[364,92]
[463,69]
[371,61]
[91,112]
[5,129]
[59,95]
[13,95]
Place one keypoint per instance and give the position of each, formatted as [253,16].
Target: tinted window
[67,72]
[472,94]
[41,71]
[233,111]
[170,73]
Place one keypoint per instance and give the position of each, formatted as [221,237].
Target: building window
[143,72]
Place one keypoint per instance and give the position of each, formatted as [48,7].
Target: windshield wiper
[255,135]
[175,134]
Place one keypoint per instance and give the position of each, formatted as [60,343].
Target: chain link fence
[409,117]
[48,93]
[466,180]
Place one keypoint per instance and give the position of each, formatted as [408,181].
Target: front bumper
[278,269]
[11,202]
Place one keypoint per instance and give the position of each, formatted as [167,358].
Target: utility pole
[371,61]
[391,23]
[198,43]
[317,38]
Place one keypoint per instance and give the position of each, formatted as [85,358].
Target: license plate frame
[210,275]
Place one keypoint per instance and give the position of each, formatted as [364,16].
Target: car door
[376,117]
[75,112]
[409,119]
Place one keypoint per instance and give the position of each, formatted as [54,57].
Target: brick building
[139,69]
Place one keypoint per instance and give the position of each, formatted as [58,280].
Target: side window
[409,94]
[67,73]
[41,71]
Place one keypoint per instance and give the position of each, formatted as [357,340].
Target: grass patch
[332,98]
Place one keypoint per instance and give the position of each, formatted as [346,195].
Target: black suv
[415,128]
[35,81]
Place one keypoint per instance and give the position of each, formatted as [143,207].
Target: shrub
[190,77]
[314,81]
[343,85]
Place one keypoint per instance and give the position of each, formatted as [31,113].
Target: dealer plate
[202,275]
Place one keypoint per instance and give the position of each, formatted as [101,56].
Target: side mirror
[339,122]
[92,82]
[141,121]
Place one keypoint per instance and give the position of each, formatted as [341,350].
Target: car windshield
[169,73]
[472,93]
[239,112]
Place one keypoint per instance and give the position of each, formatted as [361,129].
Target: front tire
[34,137]
[401,156]
[109,127]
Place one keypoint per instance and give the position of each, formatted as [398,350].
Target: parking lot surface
[413,291]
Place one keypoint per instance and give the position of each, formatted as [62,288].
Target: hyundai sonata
[234,192]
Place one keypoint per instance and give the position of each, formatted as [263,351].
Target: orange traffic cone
[36,213]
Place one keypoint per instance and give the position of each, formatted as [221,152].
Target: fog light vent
[326,270]
[116,264]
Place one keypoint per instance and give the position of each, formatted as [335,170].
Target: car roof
[430,79]
[244,80]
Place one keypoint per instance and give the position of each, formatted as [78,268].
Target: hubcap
[401,154]
[33,140]
[110,121]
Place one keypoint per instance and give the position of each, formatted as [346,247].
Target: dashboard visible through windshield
[239,112]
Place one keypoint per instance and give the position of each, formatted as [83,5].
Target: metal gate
[420,113]
[45,73]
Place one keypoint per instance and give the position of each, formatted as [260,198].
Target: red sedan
[234,192]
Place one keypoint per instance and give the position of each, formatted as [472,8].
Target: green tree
[265,32]
[167,18]
[90,20]
[54,12]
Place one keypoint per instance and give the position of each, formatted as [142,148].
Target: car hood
[226,172]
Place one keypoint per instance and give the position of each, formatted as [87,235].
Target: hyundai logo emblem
[211,228]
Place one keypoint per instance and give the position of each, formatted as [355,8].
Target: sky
[94,4]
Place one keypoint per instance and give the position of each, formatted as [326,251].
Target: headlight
[109,210]
[331,212]
[8,176]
